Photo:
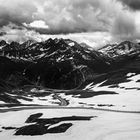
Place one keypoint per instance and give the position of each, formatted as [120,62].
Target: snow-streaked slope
[124,96]
[128,97]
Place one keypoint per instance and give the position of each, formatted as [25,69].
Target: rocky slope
[63,63]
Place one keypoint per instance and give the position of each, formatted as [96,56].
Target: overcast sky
[95,22]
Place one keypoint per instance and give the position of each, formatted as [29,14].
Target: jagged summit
[2,42]
[124,48]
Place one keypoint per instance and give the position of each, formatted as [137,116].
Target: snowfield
[105,126]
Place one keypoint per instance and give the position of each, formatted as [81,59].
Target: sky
[95,22]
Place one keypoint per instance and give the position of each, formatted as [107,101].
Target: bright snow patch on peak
[72,44]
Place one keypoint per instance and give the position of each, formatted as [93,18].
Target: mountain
[124,48]
[63,63]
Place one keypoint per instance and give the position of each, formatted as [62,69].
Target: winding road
[63,104]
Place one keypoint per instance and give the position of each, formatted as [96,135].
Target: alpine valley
[61,88]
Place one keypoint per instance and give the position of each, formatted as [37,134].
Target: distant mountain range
[63,63]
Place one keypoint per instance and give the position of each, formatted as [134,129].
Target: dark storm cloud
[133,4]
[2,33]
[16,12]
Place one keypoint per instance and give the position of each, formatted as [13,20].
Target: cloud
[12,32]
[106,20]
[37,24]
[133,4]
[63,16]
[16,11]
[95,39]
[124,27]
[2,33]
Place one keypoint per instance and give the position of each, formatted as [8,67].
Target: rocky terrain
[63,64]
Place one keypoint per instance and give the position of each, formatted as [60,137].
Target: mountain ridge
[62,63]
